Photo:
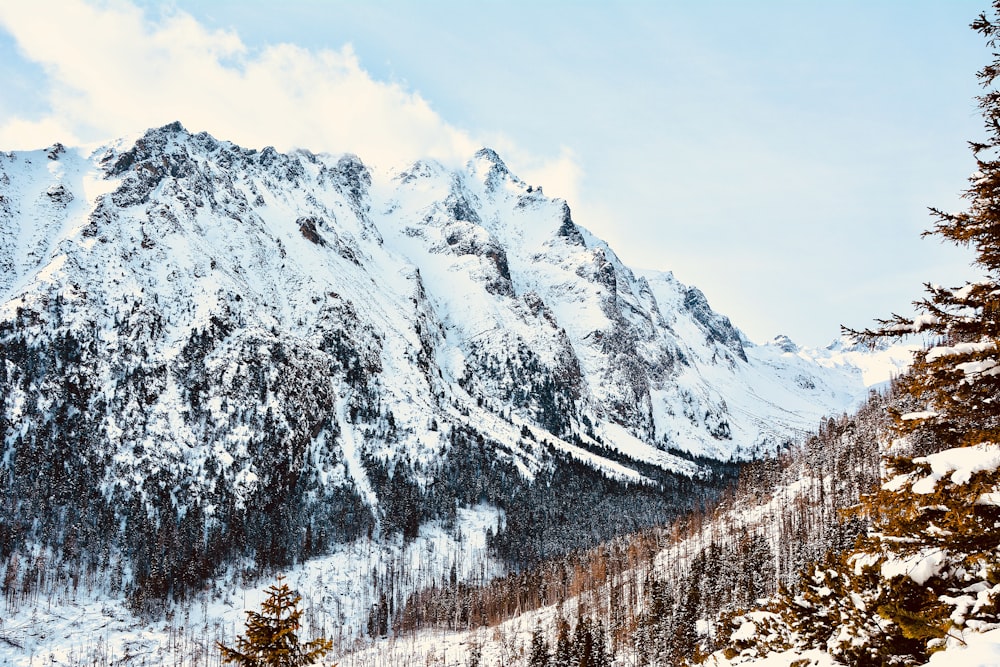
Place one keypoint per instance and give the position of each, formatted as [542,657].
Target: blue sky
[778,155]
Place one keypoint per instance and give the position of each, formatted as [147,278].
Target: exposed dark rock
[353,178]
[459,208]
[568,229]
[308,226]
[717,327]
[59,194]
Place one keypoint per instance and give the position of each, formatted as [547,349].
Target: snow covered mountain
[198,339]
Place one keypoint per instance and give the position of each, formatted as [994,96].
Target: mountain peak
[488,166]
[153,142]
[491,156]
[784,343]
[170,128]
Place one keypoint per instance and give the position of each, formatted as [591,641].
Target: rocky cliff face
[199,342]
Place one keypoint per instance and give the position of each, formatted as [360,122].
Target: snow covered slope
[191,328]
[440,294]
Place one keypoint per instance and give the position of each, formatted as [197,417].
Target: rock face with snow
[198,340]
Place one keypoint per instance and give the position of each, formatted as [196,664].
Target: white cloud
[23,134]
[113,70]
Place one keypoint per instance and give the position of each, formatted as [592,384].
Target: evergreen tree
[929,566]
[475,657]
[928,569]
[953,387]
[657,627]
[583,643]
[271,638]
[957,381]
[683,639]
[601,655]
[539,655]
[564,645]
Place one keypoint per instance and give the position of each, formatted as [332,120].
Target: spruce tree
[539,655]
[601,655]
[934,538]
[271,638]
[564,645]
[583,643]
[928,569]
[957,381]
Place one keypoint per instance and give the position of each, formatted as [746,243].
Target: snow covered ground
[93,627]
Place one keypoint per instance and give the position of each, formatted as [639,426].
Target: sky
[778,154]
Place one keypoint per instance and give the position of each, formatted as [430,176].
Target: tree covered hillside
[650,595]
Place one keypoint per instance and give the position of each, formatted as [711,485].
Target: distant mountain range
[243,353]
